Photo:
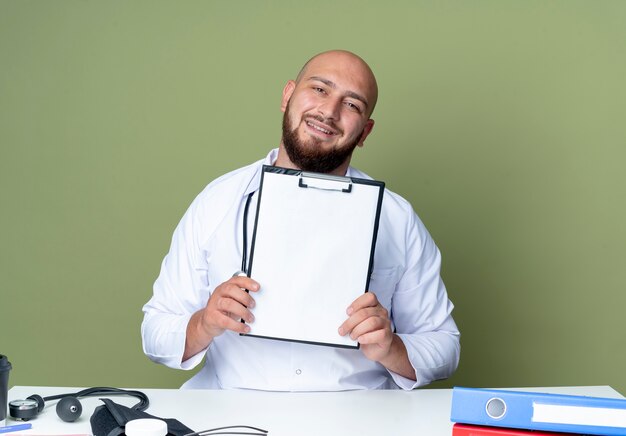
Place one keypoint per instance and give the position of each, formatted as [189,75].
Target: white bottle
[146,427]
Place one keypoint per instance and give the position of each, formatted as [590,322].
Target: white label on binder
[576,415]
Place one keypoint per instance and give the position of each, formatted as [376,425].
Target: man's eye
[353,106]
[318,89]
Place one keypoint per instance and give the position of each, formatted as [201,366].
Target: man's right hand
[227,305]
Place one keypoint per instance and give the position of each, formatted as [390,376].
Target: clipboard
[312,253]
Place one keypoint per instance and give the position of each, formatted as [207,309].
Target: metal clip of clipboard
[325,181]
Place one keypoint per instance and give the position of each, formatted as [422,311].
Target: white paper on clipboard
[312,253]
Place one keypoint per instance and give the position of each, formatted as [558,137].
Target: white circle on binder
[146,427]
[496,408]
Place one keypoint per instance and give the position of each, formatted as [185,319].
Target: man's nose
[330,108]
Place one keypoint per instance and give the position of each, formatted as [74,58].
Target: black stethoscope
[244,251]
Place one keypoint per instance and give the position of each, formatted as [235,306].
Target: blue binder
[539,411]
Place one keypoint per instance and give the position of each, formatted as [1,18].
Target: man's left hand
[368,323]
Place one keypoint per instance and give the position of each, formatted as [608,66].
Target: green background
[503,122]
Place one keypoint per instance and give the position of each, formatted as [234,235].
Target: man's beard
[311,156]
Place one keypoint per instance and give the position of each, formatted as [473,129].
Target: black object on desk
[110,420]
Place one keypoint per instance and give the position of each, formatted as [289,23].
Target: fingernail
[341,333]
[247,329]
[251,319]
[252,304]
[350,310]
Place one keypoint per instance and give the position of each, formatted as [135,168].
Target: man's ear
[367,129]
[287,91]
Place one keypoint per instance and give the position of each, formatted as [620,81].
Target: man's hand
[227,305]
[368,323]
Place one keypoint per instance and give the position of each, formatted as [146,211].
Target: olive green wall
[503,122]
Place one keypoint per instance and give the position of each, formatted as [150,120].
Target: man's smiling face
[327,111]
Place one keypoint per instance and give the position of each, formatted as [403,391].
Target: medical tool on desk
[69,407]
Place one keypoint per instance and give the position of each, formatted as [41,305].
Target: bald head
[348,64]
[327,113]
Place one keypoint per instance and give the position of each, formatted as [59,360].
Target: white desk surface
[392,412]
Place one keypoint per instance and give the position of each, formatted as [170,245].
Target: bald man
[404,324]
